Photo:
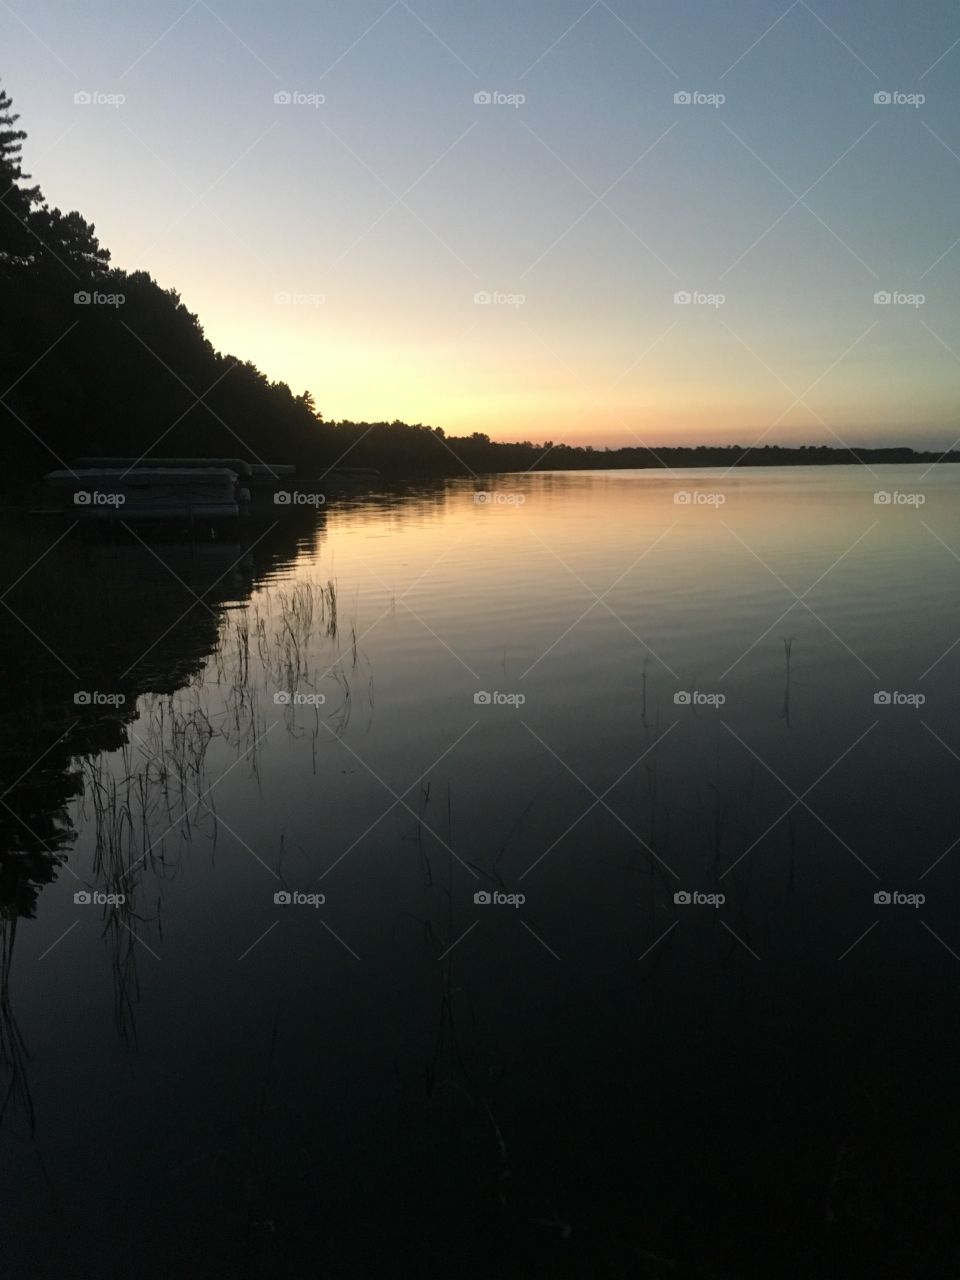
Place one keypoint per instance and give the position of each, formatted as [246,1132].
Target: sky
[578,254]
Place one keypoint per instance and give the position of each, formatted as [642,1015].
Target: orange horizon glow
[719,394]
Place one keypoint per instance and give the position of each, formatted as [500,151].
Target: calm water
[590,1077]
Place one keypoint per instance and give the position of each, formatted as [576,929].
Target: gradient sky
[597,199]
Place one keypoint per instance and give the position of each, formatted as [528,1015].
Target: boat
[152,492]
[268,479]
[261,480]
[110,487]
[241,467]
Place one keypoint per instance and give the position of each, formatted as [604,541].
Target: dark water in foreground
[600,1080]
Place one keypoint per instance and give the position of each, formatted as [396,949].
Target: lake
[548,874]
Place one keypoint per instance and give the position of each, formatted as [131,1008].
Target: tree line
[97,360]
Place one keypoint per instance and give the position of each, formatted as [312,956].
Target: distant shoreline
[23,493]
[397,450]
[812,456]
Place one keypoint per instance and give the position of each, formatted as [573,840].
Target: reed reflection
[101,633]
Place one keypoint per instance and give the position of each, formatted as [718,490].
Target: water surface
[570,688]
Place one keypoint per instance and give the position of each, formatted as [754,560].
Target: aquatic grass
[785,709]
[140,805]
[14,1056]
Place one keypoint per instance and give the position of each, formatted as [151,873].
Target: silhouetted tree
[17,201]
[94,360]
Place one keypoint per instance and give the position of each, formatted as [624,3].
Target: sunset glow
[582,210]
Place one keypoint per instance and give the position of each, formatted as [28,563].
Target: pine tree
[32,233]
[18,243]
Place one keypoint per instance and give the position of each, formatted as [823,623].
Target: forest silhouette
[100,361]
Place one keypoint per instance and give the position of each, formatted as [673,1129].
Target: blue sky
[582,210]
